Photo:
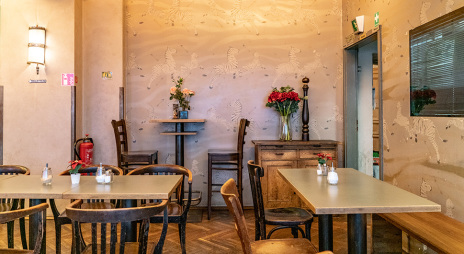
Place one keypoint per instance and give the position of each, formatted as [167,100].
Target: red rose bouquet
[285,101]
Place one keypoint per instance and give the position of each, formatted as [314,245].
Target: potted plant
[74,169]
[182,96]
[285,101]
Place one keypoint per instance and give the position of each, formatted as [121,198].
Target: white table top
[355,193]
[123,187]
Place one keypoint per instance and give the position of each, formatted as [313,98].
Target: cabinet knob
[279,153]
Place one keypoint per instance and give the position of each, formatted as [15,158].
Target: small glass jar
[46,176]
[100,174]
[109,177]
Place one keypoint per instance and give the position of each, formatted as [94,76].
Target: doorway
[363,105]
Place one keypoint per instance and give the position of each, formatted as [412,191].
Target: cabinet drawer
[312,154]
[278,155]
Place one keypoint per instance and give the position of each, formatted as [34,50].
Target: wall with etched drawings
[421,154]
[231,53]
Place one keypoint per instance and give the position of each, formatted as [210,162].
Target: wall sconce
[36,46]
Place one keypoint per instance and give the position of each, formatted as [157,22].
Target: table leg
[180,145]
[357,233]
[131,227]
[33,225]
[325,232]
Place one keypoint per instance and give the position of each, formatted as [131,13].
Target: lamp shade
[36,45]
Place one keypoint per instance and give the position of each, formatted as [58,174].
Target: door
[363,105]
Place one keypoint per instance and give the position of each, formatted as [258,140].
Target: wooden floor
[217,235]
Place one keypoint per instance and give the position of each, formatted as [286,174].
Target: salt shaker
[109,176]
[46,175]
[99,176]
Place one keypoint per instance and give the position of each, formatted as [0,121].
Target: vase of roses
[285,101]
[74,170]
[183,97]
[322,166]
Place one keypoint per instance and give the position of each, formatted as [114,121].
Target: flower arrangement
[75,166]
[284,100]
[181,95]
[323,158]
[420,98]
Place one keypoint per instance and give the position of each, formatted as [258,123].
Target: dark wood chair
[11,216]
[102,217]
[231,160]
[177,211]
[286,217]
[13,204]
[61,218]
[128,160]
[289,245]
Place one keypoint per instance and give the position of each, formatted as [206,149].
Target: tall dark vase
[305,113]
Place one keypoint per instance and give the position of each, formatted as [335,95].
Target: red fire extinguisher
[85,149]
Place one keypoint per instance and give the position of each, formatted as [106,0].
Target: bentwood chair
[13,204]
[11,216]
[128,160]
[62,218]
[115,217]
[289,245]
[177,211]
[286,217]
[230,160]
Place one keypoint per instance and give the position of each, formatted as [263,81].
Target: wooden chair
[10,216]
[290,245]
[128,159]
[13,204]
[219,159]
[177,212]
[79,215]
[61,218]
[287,217]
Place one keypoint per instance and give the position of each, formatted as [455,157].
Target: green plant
[75,166]
[323,158]
[181,95]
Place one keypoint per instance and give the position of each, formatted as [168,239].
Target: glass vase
[285,128]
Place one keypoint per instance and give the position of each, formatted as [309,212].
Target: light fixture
[36,46]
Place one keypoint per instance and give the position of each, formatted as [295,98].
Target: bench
[436,230]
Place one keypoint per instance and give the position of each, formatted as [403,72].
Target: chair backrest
[120,135]
[114,217]
[13,170]
[21,213]
[92,170]
[241,135]
[230,194]
[255,173]
[168,169]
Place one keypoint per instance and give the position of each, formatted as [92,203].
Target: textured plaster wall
[232,53]
[422,154]
[37,117]
[102,49]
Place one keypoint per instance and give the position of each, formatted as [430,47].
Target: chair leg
[294,232]
[210,186]
[58,238]
[182,226]
[308,230]
[10,230]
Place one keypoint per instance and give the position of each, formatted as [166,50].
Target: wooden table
[179,133]
[127,188]
[356,195]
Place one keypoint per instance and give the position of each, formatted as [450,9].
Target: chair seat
[95,205]
[289,245]
[222,151]
[129,248]
[288,216]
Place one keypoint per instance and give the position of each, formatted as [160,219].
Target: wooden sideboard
[275,154]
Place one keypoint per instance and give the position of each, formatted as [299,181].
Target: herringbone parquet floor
[217,235]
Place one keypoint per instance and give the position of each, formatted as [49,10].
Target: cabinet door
[277,192]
